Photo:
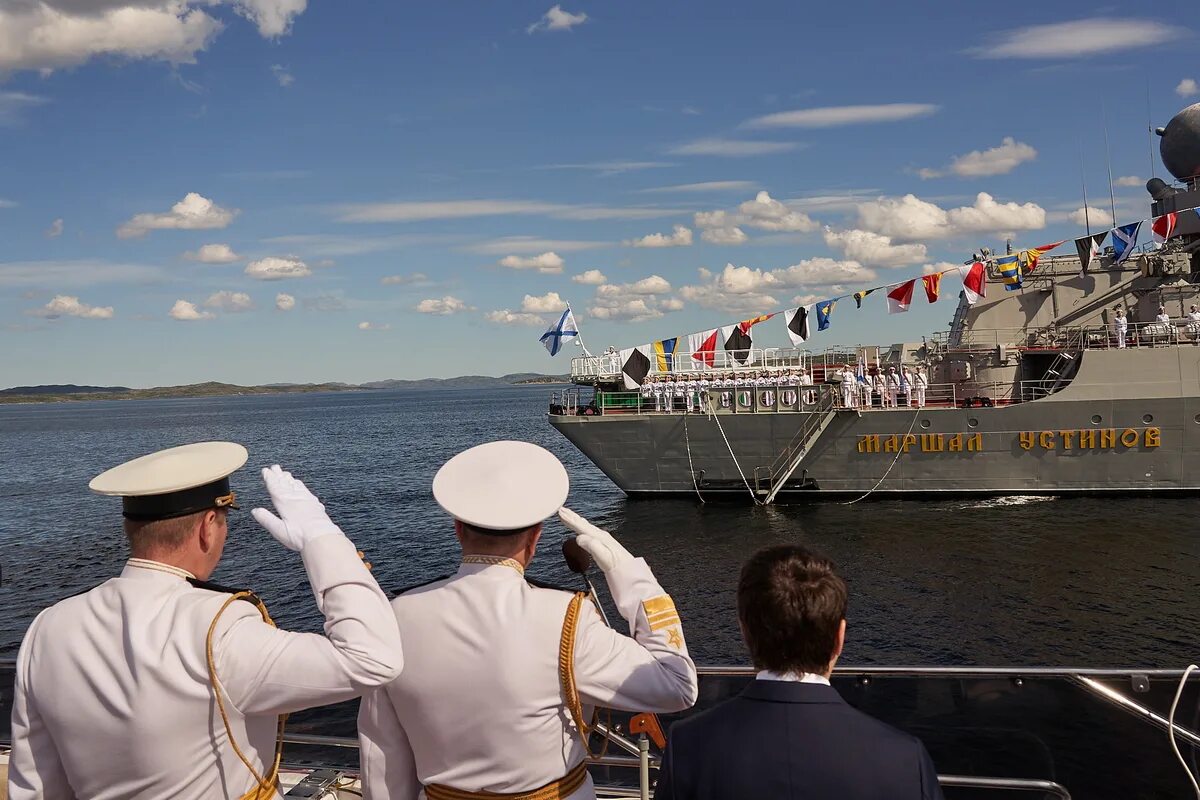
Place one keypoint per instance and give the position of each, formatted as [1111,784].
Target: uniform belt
[560,789]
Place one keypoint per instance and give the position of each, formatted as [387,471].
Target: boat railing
[1072,337]
[797,399]
[608,365]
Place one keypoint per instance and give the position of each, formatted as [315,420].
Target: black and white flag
[635,366]
[797,325]
[1089,250]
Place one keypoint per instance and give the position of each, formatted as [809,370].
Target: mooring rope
[691,469]
[916,414]
[717,418]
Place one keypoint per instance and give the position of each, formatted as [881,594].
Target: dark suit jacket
[792,741]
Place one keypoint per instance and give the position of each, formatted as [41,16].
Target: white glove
[303,516]
[606,551]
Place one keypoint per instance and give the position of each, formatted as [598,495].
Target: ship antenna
[1083,179]
[1108,159]
[1149,131]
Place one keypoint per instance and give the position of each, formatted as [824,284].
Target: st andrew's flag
[565,328]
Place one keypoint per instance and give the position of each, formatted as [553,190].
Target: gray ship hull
[1128,423]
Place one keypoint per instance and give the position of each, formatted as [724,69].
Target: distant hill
[209,389]
[72,393]
[68,388]
[467,381]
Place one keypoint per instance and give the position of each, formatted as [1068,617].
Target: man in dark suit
[790,735]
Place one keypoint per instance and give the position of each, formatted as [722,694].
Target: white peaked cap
[502,486]
[172,470]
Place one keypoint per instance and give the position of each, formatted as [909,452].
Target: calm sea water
[1007,581]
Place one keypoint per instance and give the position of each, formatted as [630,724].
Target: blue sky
[279,190]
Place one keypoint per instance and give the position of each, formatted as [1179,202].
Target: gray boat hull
[1128,423]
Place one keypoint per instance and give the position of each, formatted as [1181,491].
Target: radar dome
[1180,146]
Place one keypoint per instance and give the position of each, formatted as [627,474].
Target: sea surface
[1008,581]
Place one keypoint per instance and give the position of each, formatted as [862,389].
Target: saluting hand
[605,550]
[301,518]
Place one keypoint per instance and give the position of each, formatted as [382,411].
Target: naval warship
[1031,391]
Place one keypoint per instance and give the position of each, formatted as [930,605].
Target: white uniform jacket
[478,706]
[112,694]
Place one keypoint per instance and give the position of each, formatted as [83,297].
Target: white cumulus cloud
[285,302]
[213,254]
[593,277]
[727,235]
[1187,87]
[67,306]
[282,75]
[999,160]
[233,302]
[507,317]
[1078,38]
[193,212]
[542,304]
[443,306]
[680,236]
[874,249]
[1128,180]
[550,263]
[55,230]
[749,290]
[910,219]
[275,268]
[1092,216]
[557,20]
[834,116]
[634,302]
[374,326]
[187,312]
[52,34]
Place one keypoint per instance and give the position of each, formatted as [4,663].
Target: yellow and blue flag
[1010,272]
[664,354]
[824,309]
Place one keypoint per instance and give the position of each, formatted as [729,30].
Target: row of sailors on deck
[158,684]
[1163,322]
[887,384]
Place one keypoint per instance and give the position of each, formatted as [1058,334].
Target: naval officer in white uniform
[115,690]
[485,703]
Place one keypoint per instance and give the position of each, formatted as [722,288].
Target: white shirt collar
[791,677]
[158,566]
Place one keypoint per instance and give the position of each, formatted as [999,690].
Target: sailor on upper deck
[493,697]
[156,684]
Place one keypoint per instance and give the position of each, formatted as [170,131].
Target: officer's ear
[210,526]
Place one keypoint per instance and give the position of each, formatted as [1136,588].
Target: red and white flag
[974,280]
[1164,226]
[899,297]
[704,348]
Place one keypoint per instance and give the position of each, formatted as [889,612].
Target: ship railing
[1074,337]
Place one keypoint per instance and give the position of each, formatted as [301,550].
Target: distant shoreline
[56,394]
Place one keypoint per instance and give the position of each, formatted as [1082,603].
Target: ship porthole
[1198,419]
[1147,418]
[1095,419]
[972,423]
[924,423]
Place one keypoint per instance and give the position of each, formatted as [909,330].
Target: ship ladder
[1062,369]
[806,437]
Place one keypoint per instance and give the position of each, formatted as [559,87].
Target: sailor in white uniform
[849,390]
[919,385]
[891,382]
[479,709]
[1121,325]
[158,685]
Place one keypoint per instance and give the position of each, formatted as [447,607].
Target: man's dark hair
[791,603]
